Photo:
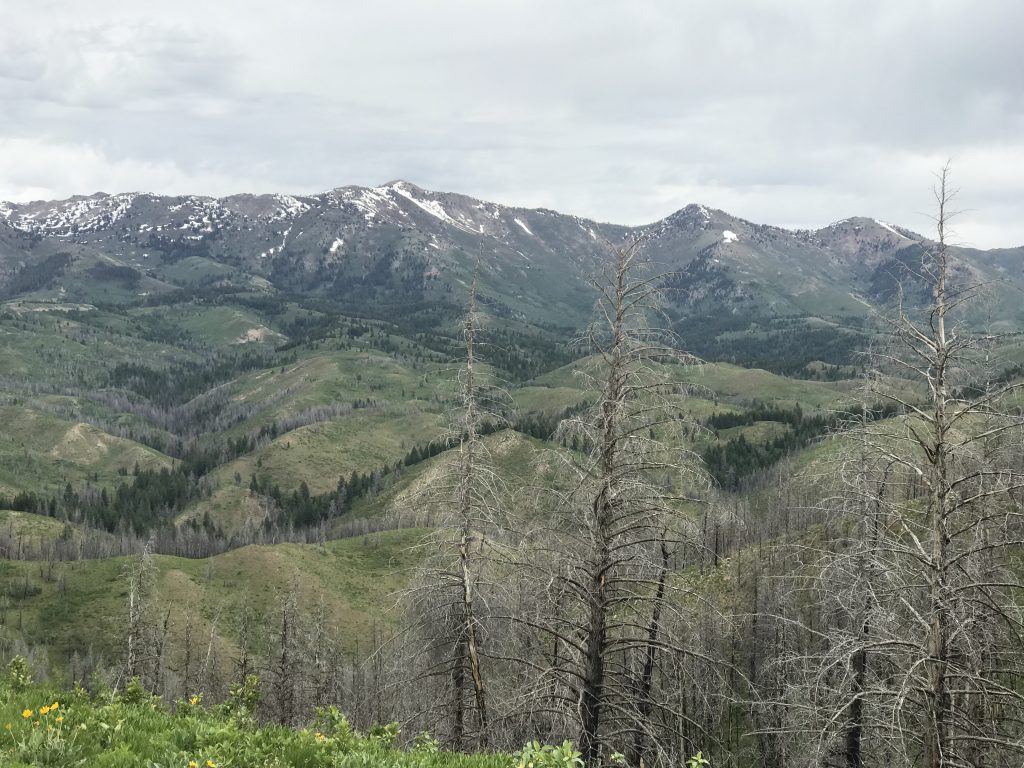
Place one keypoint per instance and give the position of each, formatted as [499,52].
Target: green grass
[339,377]
[195,270]
[567,376]
[522,463]
[82,605]
[37,537]
[45,726]
[222,326]
[320,454]
[24,525]
[550,400]
[41,452]
[735,383]
[55,348]
[718,382]
[758,432]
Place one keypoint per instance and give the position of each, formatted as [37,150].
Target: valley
[242,412]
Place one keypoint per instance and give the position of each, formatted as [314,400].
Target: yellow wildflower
[193,764]
[194,700]
[27,714]
[60,718]
[211,764]
[49,728]
[55,706]
[44,710]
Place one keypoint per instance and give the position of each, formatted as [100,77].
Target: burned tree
[920,660]
[447,605]
[604,556]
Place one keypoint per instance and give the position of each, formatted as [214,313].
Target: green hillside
[41,452]
[80,607]
[303,414]
[264,453]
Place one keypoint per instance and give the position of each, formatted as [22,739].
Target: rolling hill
[261,385]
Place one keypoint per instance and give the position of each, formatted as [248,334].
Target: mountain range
[261,387]
[736,286]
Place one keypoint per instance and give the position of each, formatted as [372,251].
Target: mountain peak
[692,216]
[403,184]
[865,227]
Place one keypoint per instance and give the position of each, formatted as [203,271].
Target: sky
[787,112]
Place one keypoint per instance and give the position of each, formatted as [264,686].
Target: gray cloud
[794,112]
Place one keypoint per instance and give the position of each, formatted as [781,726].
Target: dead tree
[921,664]
[447,606]
[141,636]
[286,663]
[602,560]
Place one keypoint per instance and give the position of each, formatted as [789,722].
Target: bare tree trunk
[141,573]
[937,624]
[644,700]
[466,503]
[592,693]
[458,708]
[448,602]
[619,512]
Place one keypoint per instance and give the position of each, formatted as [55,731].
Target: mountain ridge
[7,207]
[398,246]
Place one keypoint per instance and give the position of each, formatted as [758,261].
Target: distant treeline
[385,326]
[183,382]
[782,345]
[1004,377]
[302,509]
[32,277]
[152,499]
[731,461]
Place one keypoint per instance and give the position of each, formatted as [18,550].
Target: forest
[644,572]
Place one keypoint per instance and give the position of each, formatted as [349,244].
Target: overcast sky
[792,112]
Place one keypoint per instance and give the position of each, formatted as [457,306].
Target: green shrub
[19,675]
[42,727]
[537,755]
[244,697]
[134,693]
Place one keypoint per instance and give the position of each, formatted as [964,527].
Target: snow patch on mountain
[890,228]
[73,216]
[693,217]
[205,217]
[290,207]
[432,207]
[284,240]
[728,236]
[526,229]
[368,201]
[491,209]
